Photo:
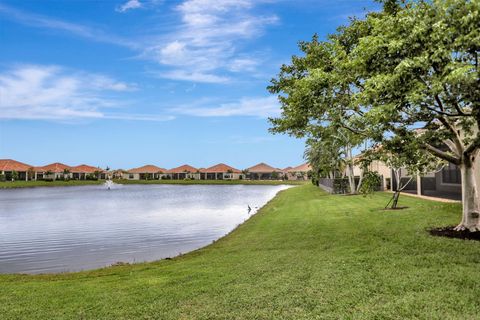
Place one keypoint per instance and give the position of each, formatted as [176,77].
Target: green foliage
[371,182]
[2,177]
[14,175]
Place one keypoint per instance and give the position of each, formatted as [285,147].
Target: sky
[124,83]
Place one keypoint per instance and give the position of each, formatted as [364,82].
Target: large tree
[316,92]
[409,71]
[420,66]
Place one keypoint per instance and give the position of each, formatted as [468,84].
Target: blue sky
[126,83]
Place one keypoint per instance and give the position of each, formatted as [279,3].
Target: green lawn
[306,255]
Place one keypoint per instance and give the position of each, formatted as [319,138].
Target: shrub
[3,177]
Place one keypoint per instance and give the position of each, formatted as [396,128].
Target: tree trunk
[470,199]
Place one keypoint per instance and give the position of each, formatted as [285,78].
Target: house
[8,167]
[85,172]
[221,171]
[183,172]
[147,172]
[263,171]
[300,172]
[53,171]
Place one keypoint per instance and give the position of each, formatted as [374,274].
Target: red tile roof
[147,169]
[183,169]
[219,168]
[301,168]
[263,168]
[12,165]
[53,167]
[83,168]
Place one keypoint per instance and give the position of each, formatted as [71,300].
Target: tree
[14,175]
[420,66]
[317,95]
[410,71]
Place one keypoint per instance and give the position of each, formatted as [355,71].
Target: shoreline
[181,254]
[73,183]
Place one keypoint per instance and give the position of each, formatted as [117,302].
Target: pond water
[59,229]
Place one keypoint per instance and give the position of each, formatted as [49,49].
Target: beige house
[53,171]
[263,171]
[221,171]
[9,166]
[147,172]
[300,172]
[183,172]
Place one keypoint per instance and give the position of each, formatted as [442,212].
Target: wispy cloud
[55,93]
[130,4]
[261,107]
[204,48]
[41,21]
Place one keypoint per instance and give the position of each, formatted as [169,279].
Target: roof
[263,167]
[221,167]
[287,169]
[83,168]
[301,168]
[182,169]
[12,165]
[149,168]
[53,167]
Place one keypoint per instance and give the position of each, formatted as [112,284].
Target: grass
[305,255]
[58,183]
[41,183]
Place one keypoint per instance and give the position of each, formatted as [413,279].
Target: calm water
[78,228]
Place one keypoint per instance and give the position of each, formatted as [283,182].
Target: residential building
[84,172]
[263,171]
[53,171]
[147,172]
[300,172]
[9,166]
[221,171]
[183,172]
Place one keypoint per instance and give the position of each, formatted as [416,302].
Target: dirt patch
[393,209]
[450,233]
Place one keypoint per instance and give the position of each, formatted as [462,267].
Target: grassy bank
[305,255]
[41,183]
[57,183]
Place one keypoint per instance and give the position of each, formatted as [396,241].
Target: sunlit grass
[305,255]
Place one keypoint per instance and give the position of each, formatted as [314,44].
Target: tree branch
[441,154]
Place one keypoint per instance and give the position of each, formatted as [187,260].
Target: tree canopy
[408,73]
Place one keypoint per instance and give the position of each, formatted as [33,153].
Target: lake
[60,229]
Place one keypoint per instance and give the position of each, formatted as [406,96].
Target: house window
[451,174]
[130,176]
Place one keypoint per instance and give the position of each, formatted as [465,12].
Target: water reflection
[78,228]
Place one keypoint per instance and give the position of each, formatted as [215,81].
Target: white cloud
[41,21]
[131,4]
[262,107]
[54,93]
[206,42]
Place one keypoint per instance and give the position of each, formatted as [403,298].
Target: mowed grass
[305,255]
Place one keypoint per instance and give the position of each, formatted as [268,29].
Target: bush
[371,182]
[3,177]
